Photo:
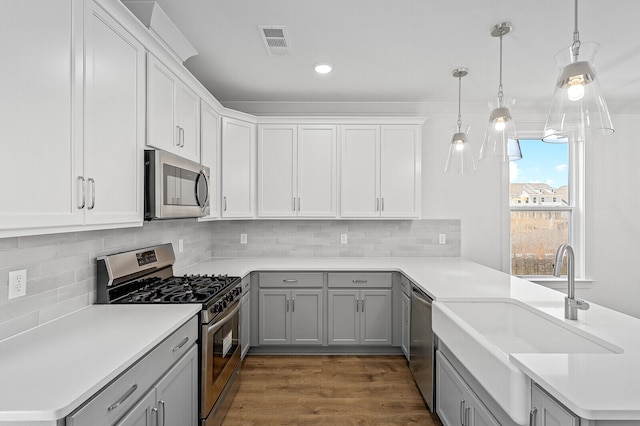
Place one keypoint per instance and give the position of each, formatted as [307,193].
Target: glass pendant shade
[513,150]
[578,110]
[501,130]
[460,158]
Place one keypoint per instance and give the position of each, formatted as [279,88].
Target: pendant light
[460,158]
[500,139]
[578,110]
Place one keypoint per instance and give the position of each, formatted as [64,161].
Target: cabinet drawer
[121,394]
[360,279]
[290,279]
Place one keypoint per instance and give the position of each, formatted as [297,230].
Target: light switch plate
[343,238]
[180,245]
[17,283]
[243,238]
[442,239]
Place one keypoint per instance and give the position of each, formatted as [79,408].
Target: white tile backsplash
[61,268]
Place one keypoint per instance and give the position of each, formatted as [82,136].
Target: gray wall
[61,268]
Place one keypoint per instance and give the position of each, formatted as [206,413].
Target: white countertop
[594,386]
[49,371]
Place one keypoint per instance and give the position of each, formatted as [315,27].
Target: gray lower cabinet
[359,317]
[291,316]
[406,324]
[245,317]
[173,401]
[456,403]
[160,389]
[546,411]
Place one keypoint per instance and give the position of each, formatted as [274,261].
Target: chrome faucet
[571,303]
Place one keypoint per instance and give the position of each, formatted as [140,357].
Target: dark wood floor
[328,390]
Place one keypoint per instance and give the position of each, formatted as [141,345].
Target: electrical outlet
[243,238]
[17,283]
[343,238]
[442,239]
[180,245]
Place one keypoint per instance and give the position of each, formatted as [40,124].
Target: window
[547,171]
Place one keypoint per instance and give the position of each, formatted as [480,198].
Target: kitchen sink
[482,333]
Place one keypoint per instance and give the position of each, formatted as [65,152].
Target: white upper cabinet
[210,150]
[114,120]
[41,114]
[73,114]
[238,168]
[380,171]
[296,170]
[173,112]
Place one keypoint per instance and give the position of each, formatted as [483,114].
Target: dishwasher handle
[421,297]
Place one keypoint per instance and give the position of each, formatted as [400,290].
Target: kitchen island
[596,387]
[51,370]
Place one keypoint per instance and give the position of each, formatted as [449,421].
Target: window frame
[576,183]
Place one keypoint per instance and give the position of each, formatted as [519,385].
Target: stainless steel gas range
[146,276]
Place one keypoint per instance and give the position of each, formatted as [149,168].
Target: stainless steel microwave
[174,187]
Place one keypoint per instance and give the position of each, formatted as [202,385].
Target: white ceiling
[404,50]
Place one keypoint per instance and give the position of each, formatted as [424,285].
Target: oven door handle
[217,325]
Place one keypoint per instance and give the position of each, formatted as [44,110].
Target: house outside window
[549,173]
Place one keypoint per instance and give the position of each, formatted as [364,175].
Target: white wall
[613,217]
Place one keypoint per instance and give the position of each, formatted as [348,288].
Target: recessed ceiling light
[323,68]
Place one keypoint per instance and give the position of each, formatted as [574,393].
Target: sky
[541,163]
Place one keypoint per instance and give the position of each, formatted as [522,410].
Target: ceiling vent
[275,40]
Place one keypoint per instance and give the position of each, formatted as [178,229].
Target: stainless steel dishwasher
[421,350]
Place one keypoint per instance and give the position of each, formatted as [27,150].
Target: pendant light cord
[575,47]
[500,92]
[459,102]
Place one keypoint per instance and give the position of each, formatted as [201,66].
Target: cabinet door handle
[123,398]
[357,304]
[286,309]
[382,202]
[82,190]
[154,410]
[93,193]
[224,202]
[377,204]
[532,416]
[293,304]
[181,344]
[298,203]
[161,402]
[182,136]
[466,415]
[462,412]
[289,281]
[359,281]
[362,306]
[293,204]
[177,139]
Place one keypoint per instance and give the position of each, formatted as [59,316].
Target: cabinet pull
[362,306]
[462,412]
[161,402]
[154,410]
[293,304]
[177,139]
[224,202]
[377,204]
[181,137]
[81,180]
[93,193]
[382,202]
[466,415]
[298,203]
[181,344]
[357,304]
[359,281]
[293,204]
[123,398]
[532,416]
[286,309]
[289,281]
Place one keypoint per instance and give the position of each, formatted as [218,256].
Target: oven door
[220,357]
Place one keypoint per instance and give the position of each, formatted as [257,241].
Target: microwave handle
[203,205]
